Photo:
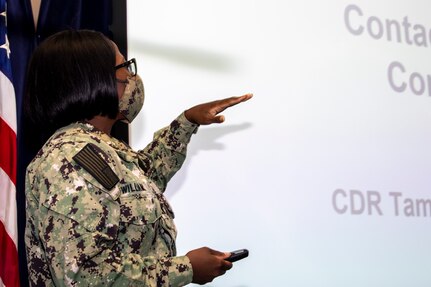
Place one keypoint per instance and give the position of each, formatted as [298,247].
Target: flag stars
[6,41]
[4,15]
[6,46]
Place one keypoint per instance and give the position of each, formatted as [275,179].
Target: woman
[96,214]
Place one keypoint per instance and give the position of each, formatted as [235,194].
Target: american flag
[8,218]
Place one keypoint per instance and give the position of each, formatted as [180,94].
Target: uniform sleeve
[164,156]
[71,237]
[39,274]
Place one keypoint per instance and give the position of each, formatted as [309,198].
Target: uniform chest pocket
[138,206]
[140,217]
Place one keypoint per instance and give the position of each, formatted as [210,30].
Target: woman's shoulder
[73,158]
[67,142]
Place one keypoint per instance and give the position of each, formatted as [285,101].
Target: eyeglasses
[130,65]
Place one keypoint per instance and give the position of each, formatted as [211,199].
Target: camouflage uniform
[96,214]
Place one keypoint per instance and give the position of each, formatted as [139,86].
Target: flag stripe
[9,260]
[8,150]
[7,105]
[8,215]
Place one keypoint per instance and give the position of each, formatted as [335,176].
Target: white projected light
[324,175]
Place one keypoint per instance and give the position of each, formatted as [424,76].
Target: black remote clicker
[237,255]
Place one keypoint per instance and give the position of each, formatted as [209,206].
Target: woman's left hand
[208,113]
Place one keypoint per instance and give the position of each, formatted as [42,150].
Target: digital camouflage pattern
[133,98]
[78,233]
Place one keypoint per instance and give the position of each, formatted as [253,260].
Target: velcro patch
[92,162]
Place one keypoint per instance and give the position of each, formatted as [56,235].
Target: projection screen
[323,175]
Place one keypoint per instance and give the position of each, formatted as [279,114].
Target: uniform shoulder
[64,144]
